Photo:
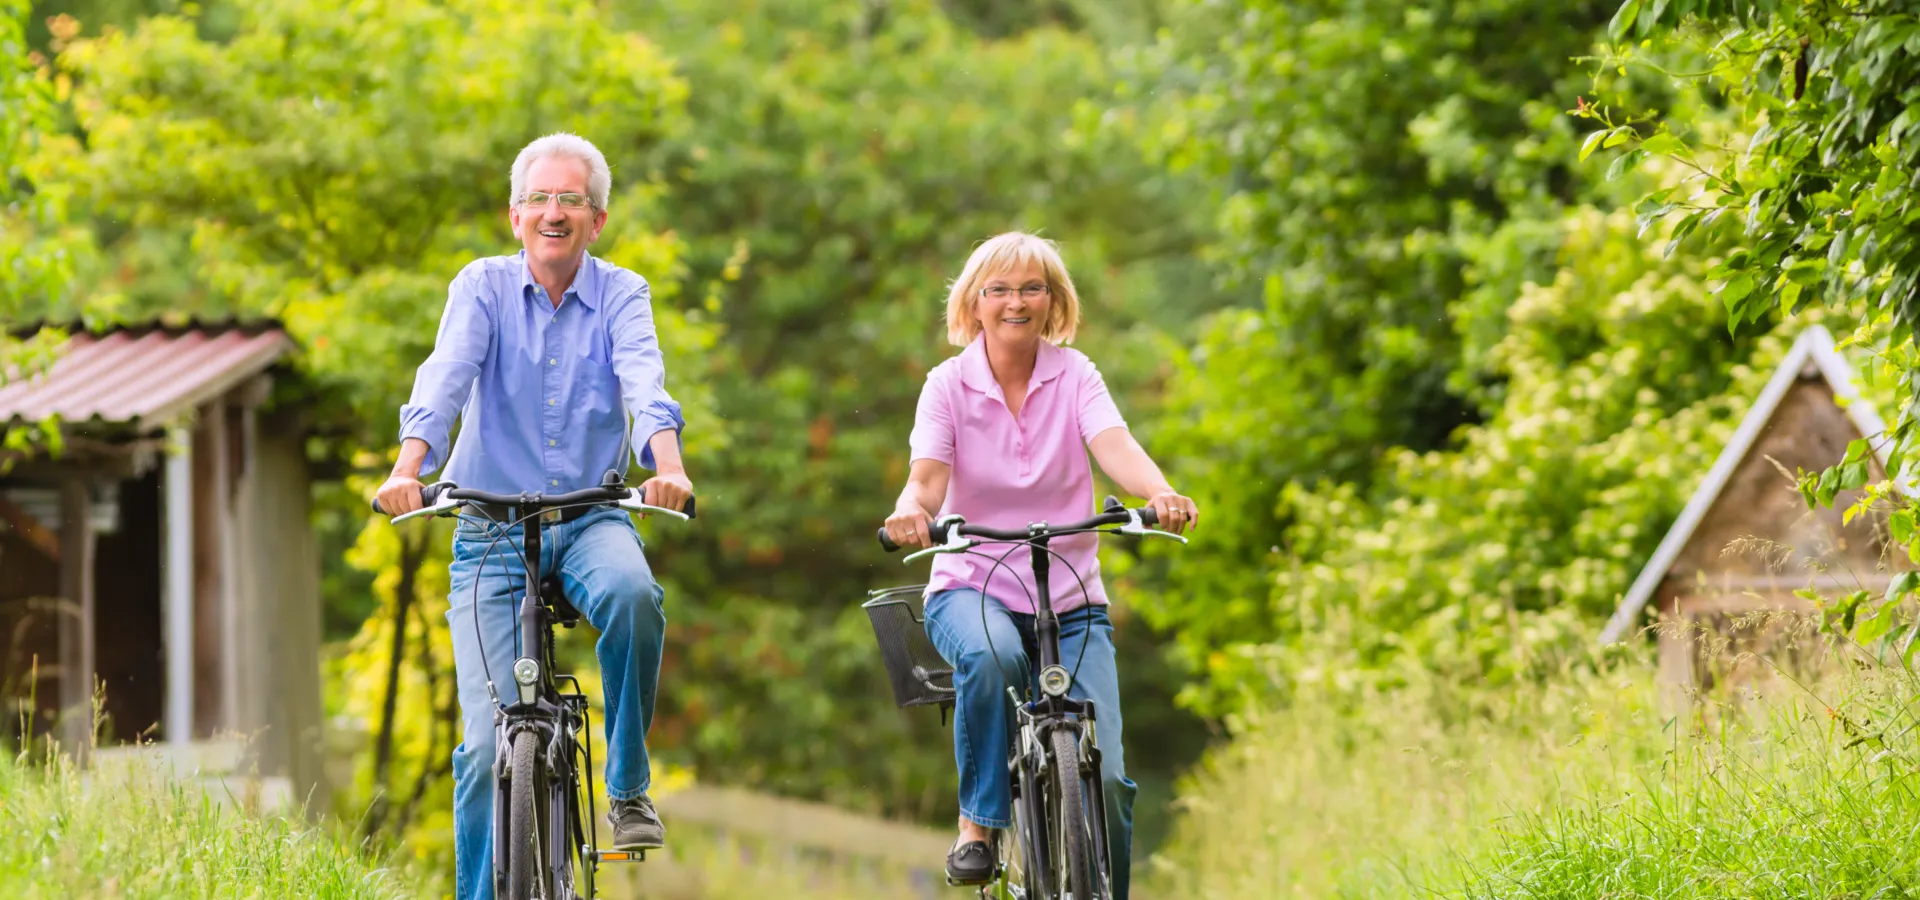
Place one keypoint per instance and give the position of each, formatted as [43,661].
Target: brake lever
[634,503]
[1155,532]
[955,544]
[1136,526]
[443,508]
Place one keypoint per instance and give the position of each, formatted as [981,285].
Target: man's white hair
[573,146]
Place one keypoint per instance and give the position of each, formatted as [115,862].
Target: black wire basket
[919,675]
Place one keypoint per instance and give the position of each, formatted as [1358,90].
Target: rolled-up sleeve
[932,436]
[443,383]
[642,371]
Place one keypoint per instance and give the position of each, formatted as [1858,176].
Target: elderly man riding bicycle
[545,356]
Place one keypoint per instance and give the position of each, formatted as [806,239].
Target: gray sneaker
[635,825]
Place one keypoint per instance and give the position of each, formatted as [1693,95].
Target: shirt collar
[586,283]
[976,373]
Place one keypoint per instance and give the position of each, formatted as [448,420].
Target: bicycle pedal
[620,855]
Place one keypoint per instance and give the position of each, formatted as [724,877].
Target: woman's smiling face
[1013,304]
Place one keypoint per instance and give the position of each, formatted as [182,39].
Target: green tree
[38,251]
[1817,177]
[801,178]
[1387,176]
[842,160]
[335,172]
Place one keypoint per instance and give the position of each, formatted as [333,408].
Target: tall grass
[134,836]
[1577,787]
[1803,796]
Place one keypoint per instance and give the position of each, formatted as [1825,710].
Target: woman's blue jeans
[605,574]
[991,647]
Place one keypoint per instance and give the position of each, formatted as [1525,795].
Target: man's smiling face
[554,235]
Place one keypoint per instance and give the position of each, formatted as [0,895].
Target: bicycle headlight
[526,673]
[1055,681]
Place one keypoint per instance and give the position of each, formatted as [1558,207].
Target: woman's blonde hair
[999,254]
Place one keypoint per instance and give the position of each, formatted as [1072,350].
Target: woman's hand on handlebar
[1177,513]
[399,495]
[910,526]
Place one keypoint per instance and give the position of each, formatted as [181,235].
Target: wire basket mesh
[919,675]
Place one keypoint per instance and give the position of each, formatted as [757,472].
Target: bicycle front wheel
[523,844]
[1074,848]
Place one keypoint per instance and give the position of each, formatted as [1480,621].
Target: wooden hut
[1746,540]
[165,554]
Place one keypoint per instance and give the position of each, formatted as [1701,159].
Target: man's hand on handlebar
[910,526]
[399,495]
[668,490]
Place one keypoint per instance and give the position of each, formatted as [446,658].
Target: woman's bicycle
[1057,846]
[546,829]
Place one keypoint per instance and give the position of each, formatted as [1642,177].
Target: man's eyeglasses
[1026,291]
[537,199]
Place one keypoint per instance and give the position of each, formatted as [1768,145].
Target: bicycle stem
[1046,626]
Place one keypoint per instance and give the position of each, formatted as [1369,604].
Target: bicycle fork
[1041,841]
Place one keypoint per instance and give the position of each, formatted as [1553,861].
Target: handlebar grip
[1148,516]
[886,543]
[688,509]
[430,494]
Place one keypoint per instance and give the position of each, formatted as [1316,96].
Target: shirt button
[552,402]
[551,442]
[553,362]
[554,483]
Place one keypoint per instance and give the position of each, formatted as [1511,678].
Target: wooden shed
[166,555]
[1746,540]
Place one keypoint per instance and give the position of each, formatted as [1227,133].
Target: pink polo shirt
[1009,474]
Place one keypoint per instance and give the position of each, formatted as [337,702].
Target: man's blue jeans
[599,561]
[983,717]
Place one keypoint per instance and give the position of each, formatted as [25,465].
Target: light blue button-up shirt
[543,393]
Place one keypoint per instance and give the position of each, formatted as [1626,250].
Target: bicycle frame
[1047,713]
[536,704]
[1040,829]
[556,717]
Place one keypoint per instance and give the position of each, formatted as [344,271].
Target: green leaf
[1807,271]
[1902,585]
[1850,606]
[1664,142]
[1736,289]
[1623,20]
[1625,162]
[1829,485]
[1874,626]
[1790,297]
[1619,136]
[1900,524]
[1592,143]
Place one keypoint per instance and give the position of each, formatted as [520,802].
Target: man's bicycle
[546,829]
[1057,847]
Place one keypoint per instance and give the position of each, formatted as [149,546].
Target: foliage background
[1439,308]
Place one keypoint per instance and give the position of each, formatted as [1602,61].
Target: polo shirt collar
[977,374]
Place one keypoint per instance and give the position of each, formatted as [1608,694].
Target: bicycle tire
[1022,860]
[1079,877]
[523,844]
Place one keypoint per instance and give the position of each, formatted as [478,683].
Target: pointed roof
[1813,353]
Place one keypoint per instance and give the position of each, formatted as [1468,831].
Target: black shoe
[970,863]
[635,825]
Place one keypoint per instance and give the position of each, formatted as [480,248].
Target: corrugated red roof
[146,378]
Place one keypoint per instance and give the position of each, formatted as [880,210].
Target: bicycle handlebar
[1116,514]
[434,494]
